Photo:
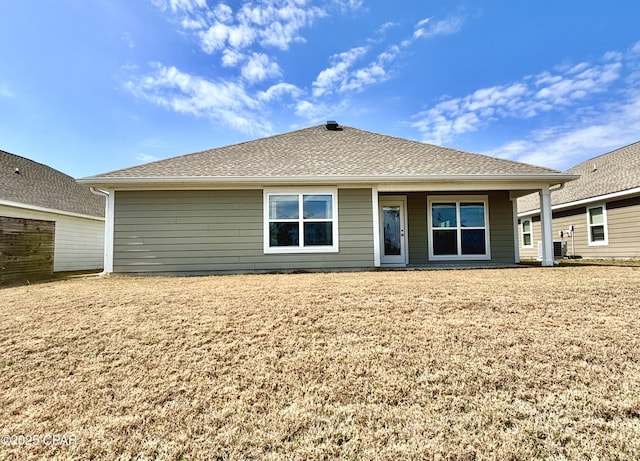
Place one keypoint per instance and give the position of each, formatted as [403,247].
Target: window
[300,222]
[527,234]
[458,228]
[597,224]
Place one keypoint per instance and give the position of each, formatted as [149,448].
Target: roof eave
[115,182]
[584,201]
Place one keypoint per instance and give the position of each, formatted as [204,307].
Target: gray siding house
[325,197]
[598,214]
[31,190]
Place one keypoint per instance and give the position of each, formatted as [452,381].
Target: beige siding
[418,235]
[182,231]
[623,220]
[79,242]
[500,225]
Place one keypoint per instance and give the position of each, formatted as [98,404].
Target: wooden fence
[26,249]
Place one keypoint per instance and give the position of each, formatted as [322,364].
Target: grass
[534,363]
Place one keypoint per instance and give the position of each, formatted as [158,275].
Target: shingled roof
[616,171]
[27,182]
[321,152]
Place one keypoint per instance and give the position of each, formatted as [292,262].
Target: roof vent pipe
[332,125]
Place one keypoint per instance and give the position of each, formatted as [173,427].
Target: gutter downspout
[108,230]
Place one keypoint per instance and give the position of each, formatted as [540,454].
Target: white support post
[108,232]
[546,225]
[376,225]
[516,230]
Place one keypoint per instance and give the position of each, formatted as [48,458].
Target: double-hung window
[300,221]
[597,224]
[458,228]
[527,233]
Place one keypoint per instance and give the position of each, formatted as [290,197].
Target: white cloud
[327,79]
[243,36]
[528,98]
[447,26]
[214,38]
[224,101]
[427,28]
[566,145]
[270,23]
[349,4]
[422,23]
[386,26]
[317,112]
[145,158]
[180,5]
[5,91]
[279,90]
[231,58]
[260,67]
[343,76]
[192,23]
[223,13]
[360,78]
[127,40]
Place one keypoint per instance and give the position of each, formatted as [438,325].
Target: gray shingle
[42,186]
[317,151]
[616,171]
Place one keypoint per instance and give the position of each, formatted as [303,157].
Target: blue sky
[92,86]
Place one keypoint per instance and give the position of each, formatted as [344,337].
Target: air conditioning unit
[559,249]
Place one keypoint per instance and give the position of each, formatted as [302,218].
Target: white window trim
[522,232]
[300,191]
[458,199]
[604,224]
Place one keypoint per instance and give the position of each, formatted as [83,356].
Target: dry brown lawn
[529,363]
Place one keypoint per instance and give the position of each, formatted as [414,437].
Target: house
[597,216]
[326,197]
[33,191]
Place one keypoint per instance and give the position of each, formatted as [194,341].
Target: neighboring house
[325,197]
[34,191]
[598,214]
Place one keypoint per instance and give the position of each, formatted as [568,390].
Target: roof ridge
[456,150]
[38,163]
[187,154]
[603,155]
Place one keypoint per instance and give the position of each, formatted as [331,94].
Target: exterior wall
[623,220]
[500,225]
[79,242]
[202,231]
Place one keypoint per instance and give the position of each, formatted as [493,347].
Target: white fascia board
[399,182]
[586,201]
[26,206]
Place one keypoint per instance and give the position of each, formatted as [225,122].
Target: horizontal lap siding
[501,227]
[417,229]
[181,231]
[79,244]
[623,219]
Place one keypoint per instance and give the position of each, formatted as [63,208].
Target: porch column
[108,232]
[376,225]
[546,226]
